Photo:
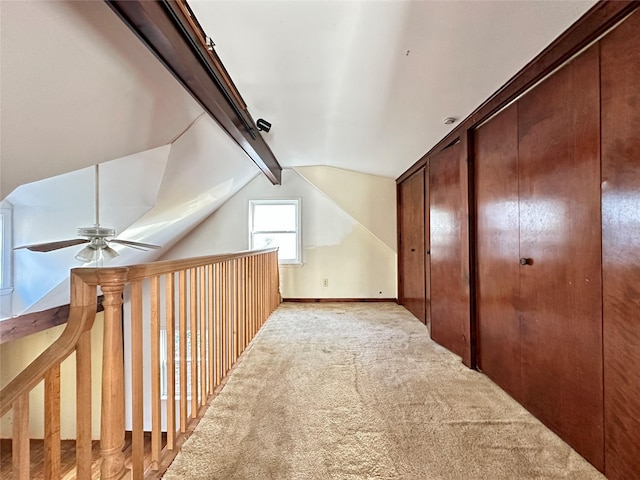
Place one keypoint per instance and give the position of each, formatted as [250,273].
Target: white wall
[348,222]
[15,356]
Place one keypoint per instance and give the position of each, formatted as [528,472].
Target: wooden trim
[399,246]
[341,300]
[30,323]
[600,18]
[473,251]
[467,190]
[23,325]
[167,30]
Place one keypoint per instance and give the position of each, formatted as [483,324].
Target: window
[5,249]
[276,223]
[176,359]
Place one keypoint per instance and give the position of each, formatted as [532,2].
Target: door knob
[526,261]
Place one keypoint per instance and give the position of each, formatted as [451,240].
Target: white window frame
[297,202]
[6,245]
[176,360]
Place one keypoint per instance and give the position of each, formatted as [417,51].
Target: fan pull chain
[97,192]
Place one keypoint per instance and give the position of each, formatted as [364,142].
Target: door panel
[412,244]
[427,258]
[620,67]
[561,299]
[449,274]
[498,245]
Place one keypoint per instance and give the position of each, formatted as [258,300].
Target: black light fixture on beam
[263,125]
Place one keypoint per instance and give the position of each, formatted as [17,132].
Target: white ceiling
[365,85]
[78,88]
[361,85]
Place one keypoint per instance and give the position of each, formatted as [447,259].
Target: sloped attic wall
[53,209]
[348,232]
[156,196]
[78,88]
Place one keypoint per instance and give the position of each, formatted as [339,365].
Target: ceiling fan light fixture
[87,254]
[97,237]
[109,253]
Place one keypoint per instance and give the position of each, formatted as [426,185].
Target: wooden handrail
[24,325]
[218,301]
[81,317]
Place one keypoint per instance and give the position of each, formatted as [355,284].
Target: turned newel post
[112,281]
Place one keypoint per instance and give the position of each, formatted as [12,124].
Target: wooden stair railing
[210,308]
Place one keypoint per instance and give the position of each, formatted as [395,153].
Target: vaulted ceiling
[366,85]
[363,85]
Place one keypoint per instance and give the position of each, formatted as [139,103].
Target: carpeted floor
[359,391]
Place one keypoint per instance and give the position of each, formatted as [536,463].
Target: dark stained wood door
[498,250]
[449,263]
[412,244]
[620,97]
[427,258]
[560,239]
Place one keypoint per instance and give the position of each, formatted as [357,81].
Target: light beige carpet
[359,391]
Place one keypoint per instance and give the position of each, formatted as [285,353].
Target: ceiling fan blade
[50,246]
[129,243]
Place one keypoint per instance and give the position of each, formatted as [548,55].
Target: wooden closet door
[498,248]
[412,244]
[560,236]
[449,272]
[620,67]
[427,258]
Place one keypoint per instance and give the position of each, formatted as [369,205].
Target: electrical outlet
[325,282]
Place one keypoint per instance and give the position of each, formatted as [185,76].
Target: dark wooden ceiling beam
[597,21]
[165,27]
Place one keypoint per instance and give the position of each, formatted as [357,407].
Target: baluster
[264,299]
[112,422]
[245,305]
[275,270]
[52,423]
[250,299]
[156,427]
[263,290]
[137,388]
[84,432]
[218,307]
[171,364]
[202,292]
[240,300]
[254,299]
[227,316]
[183,350]
[20,442]
[236,310]
[193,327]
[210,331]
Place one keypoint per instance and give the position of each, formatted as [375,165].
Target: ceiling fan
[97,237]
